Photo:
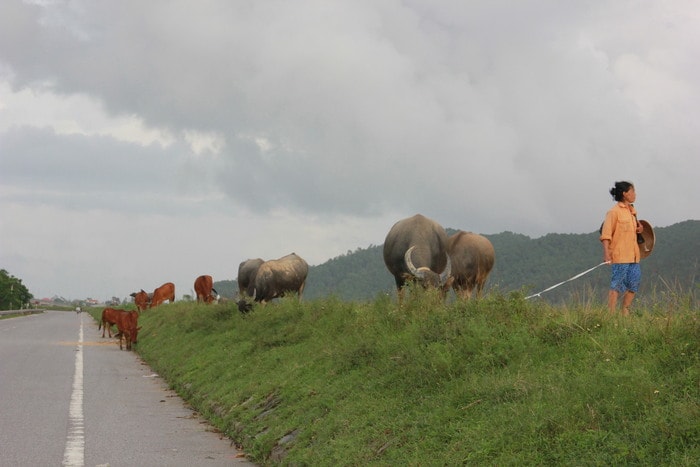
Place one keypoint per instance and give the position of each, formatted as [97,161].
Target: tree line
[13,294]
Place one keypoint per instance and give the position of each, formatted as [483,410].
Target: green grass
[500,381]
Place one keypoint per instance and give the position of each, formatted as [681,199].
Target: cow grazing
[142,300]
[472,257]
[163,293]
[416,249]
[277,277]
[127,323]
[203,287]
[109,318]
[246,274]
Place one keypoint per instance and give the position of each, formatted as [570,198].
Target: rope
[564,282]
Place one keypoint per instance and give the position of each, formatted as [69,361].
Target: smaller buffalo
[275,278]
[472,257]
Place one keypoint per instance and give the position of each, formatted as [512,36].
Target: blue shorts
[626,276]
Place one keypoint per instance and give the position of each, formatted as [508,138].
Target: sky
[147,142]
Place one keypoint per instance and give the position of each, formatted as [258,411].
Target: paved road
[69,397]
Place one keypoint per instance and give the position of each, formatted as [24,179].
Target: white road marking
[74,454]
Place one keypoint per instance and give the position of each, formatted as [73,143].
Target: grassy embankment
[501,381]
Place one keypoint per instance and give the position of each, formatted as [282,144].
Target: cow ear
[139,328]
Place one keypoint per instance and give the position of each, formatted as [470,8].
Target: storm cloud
[157,141]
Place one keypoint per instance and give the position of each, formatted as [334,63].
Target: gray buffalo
[472,258]
[277,277]
[416,249]
[246,273]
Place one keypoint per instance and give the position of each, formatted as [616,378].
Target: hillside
[522,263]
[498,381]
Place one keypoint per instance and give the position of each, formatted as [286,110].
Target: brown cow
[109,317]
[163,293]
[472,258]
[203,287]
[141,299]
[127,323]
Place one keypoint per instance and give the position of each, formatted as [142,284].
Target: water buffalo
[472,258]
[203,287]
[246,274]
[277,277]
[416,249]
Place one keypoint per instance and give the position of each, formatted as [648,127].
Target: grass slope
[500,381]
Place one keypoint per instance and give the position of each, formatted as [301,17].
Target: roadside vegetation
[497,381]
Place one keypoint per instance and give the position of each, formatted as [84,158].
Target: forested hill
[524,264]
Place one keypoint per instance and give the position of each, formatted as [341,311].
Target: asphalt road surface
[70,397]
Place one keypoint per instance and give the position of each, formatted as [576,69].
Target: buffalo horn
[446,273]
[409,264]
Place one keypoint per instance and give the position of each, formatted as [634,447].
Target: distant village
[87,302]
[60,301]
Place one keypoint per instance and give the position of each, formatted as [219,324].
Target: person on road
[620,248]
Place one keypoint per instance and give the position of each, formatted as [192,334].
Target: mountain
[524,264]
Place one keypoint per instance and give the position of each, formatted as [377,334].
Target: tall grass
[499,381]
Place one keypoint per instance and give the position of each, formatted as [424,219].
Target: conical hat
[646,248]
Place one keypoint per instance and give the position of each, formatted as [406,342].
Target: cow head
[425,275]
[141,299]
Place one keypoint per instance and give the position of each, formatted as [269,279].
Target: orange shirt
[620,227]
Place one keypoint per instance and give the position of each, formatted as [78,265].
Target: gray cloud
[486,116]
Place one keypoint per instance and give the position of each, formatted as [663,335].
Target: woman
[620,247]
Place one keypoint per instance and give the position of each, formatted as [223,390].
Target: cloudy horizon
[145,142]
